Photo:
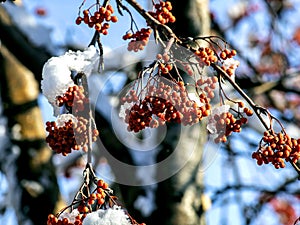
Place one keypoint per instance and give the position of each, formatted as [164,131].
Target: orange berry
[166,57]
[165,70]
[233,52]
[98,26]
[241,104]
[85,12]
[104,31]
[100,201]
[78,20]
[223,55]
[105,25]
[105,185]
[227,51]
[85,209]
[169,66]
[114,19]
[110,8]
[102,10]
[172,19]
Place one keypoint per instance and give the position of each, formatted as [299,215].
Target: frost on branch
[111,216]
[57,72]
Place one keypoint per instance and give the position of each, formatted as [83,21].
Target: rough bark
[34,180]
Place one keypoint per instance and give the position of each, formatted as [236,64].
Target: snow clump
[111,216]
[56,74]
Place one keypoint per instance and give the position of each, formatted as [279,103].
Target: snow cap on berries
[211,126]
[195,98]
[71,216]
[111,216]
[124,107]
[56,72]
[63,118]
[56,79]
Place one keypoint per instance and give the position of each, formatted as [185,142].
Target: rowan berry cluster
[99,19]
[164,103]
[227,54]
[206,85]
[276,148]
[94,200]
[164,65]
[100,198]
[162,12]
[139,39]
[53,220]
[206,56]
[73,98]
[86,205]
[72,135]
[226,123]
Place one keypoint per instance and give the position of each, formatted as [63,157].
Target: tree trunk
[34,182]
[178,199]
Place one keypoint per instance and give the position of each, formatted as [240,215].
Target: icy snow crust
[57,72]
[111,216]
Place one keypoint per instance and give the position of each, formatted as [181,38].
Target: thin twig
[257,109]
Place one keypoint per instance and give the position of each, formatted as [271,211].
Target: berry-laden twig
[76,129]
[93,199]
[99,18]
[164,97]
[214,56]
[277,147]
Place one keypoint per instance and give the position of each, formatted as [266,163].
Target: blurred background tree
[232,189]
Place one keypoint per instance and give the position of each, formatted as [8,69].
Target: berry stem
[257,109]
[81,80]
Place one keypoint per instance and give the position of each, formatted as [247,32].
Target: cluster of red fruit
[139,39]
[95,200]
[206,56]
[53,220]
[99,198]
[73,135]
[164,66]
[276,148]
[226,123]
[99,20]
[73,98]
[91,203]
[206,85]
[162,12]
[163,103]
[227,54]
